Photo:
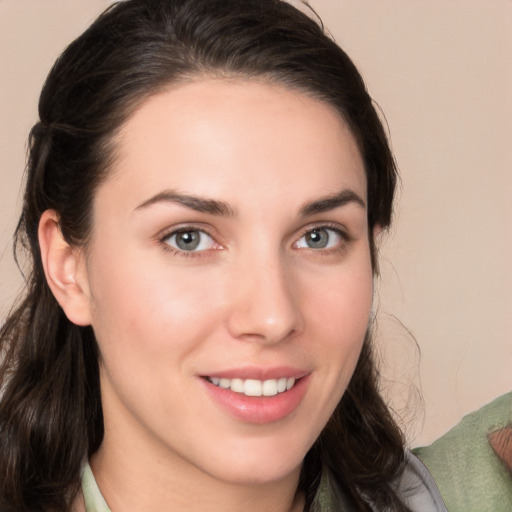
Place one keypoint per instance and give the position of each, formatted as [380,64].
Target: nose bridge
[263,305]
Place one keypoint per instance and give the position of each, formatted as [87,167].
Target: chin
[259,465]
[268,475]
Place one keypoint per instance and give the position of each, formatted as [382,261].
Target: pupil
[187,240]
[318,239]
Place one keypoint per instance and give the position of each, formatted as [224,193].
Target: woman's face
[229,278]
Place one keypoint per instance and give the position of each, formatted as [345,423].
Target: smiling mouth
[253,387]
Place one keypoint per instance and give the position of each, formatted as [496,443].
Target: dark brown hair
[50,408]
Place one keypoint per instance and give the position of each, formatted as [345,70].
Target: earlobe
[64,268]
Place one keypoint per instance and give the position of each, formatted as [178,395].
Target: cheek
[345,300]
[339,319]
[143,314]
[148,328]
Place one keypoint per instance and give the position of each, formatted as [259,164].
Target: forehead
[234,139]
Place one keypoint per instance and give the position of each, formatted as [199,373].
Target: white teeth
[253,387]
[270,387]
[237,385]
[281,385]
[225,383]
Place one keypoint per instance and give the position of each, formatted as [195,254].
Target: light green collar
[94,501]
[416,486]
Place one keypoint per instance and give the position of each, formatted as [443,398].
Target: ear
[375,242]
[65,270]
[376,232]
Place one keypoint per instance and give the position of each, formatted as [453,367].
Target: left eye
[320,238]
[190,240]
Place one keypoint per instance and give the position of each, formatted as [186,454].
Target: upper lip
[258,373]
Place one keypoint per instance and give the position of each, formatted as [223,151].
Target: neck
[133,479]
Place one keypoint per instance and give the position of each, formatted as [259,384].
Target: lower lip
[262,409]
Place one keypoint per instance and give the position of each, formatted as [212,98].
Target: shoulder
[417,488]
[469,474]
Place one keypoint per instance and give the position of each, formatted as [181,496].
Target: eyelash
[163,240]
[345,237]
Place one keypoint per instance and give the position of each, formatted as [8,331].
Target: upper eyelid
[181,228]
[163,241]
[165,233]
[334,226]
[345,238]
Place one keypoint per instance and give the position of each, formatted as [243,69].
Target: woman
[204,189]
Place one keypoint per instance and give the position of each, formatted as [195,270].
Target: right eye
[323,237]
[189,240]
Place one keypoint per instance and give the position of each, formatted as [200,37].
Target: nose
[264,305]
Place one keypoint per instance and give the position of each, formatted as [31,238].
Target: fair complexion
[230,247]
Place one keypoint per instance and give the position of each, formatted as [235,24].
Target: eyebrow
[220,208]
[199,204]
[331,202]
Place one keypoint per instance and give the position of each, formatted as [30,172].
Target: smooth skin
[230,233]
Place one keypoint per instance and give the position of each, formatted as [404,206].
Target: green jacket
[469,475]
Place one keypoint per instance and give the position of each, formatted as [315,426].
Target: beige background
[441,71]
